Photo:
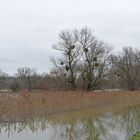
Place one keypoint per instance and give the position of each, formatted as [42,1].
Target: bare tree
[68,63]
[15,84]
[3,80]
[127,66]
[83,55]
[95,58]
[27,76]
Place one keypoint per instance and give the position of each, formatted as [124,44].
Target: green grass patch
[135,136]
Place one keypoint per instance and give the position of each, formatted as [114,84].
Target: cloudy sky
[29,28]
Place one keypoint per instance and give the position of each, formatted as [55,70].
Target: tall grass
[20,107]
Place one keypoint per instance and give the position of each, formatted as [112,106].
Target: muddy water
[85,126]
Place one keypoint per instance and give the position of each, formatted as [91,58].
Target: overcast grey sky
[28,28]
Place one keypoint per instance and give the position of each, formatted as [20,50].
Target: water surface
[81,126]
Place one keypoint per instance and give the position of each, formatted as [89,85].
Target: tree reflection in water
[109,126]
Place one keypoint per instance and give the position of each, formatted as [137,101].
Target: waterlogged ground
[85,125]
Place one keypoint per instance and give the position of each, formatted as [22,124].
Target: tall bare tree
[68,62]
[95,58]
[83,55]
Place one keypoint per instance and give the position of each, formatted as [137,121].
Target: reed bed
[24,106]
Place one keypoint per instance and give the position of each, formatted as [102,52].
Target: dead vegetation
[24,106]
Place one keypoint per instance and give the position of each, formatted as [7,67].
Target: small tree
[15,85]
[3,80]
[27,76]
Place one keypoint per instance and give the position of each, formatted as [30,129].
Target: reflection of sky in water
[109,126]
[28,135]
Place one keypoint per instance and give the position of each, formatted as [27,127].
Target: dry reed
[19,107]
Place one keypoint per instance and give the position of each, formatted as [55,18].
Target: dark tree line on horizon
[86,63]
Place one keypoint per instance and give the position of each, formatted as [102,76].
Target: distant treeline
[86,63]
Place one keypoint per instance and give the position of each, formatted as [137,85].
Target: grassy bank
[18,107]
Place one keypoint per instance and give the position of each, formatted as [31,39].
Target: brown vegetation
[18,107]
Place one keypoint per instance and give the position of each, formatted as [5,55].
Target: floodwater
[86,126]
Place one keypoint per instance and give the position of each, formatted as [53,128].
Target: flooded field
[106,116]
[76,126]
